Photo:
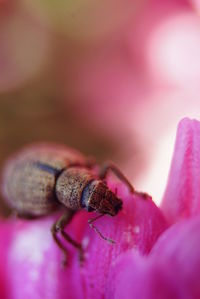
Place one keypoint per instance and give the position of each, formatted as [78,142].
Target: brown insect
[44,177]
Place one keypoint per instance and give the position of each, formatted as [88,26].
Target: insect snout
[103,200]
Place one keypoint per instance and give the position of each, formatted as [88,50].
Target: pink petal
[171,270]
[178,247]
[5,236]
[182,195]
[137,226]
[33,261]
[134,276]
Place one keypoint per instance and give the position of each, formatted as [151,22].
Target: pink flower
[148,261]
[170,271]
[137,227]
[172,268]
[182,196]
[32,261]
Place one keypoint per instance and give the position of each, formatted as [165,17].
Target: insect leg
[74,243]
[90,221]
[109,166]
[54,232]
[59,227]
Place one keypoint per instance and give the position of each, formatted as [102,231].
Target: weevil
[43,177]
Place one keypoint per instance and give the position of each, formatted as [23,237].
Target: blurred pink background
[111,78]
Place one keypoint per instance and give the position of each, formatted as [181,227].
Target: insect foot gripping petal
[103,200]
[58,227]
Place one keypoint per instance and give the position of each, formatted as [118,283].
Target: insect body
[43,177]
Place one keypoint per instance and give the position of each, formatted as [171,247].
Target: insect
[44,177]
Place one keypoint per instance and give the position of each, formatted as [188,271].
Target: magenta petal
[182,195]
[171,270]
[33,261]
[137,226]
[135,276]
[5,238]
[178,248]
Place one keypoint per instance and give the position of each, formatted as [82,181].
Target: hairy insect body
[71,184]
[30,192]
[78,188]
[44,177]
[30,177]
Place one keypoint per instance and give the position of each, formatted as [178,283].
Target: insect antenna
[90,221]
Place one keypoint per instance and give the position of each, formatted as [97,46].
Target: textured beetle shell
[70,185]
[30,189]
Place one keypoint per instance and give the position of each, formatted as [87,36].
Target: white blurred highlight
[156,177]
[26,242]
[157,126]
[174,48]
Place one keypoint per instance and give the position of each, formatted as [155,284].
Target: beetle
[43,177]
